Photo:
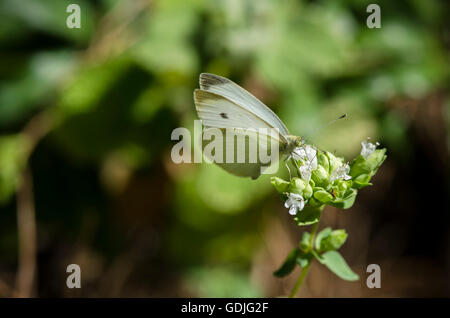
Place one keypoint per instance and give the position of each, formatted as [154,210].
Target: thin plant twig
[33,132]
[26,225]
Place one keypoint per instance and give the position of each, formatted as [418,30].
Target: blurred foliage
[117,87]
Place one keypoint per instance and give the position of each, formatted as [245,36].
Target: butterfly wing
[229,141]
[243,106]
[217,111]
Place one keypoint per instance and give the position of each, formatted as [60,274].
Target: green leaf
[333,241]
[303,259]
[296,256]
[289,264]
[321,235]
[362,181]
[309,215]
[336,263]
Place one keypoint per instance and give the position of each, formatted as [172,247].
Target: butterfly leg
[287,166]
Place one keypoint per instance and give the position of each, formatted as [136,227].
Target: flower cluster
[325,179]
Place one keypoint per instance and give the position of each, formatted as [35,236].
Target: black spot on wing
[223,115]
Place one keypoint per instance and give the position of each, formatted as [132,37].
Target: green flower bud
[321,195]
[344,201]
[322,160]
[297,185]
[342,185]
[320,176]
[341,188]
[368,165]
[307,192]
[280,185]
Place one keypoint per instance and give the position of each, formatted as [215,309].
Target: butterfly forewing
[234,93]
[217,111]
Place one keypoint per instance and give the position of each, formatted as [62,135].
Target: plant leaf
[322,235]
[333,241]
[288,264]
[337,264]
[309,215]
[303,259]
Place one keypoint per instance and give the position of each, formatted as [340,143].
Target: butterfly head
[299,141]
[294,142]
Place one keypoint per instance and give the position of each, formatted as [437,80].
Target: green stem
[299,282]
[305,269]
[313,234]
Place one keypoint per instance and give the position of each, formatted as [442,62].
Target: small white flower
[306,171]
[368,148]
[294,203]
[341,172]
[308,155]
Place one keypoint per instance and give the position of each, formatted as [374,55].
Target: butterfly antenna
[333,121]
[328,124]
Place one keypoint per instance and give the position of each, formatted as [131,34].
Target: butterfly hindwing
[256,143]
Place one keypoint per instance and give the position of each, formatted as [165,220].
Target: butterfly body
[292,143]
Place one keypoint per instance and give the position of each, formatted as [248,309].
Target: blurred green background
[86,117]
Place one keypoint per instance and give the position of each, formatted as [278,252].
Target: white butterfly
[223,104]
